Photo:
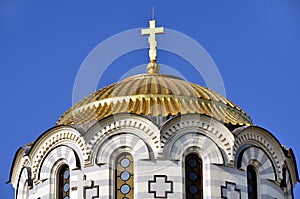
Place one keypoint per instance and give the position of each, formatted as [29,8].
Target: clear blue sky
[255,44]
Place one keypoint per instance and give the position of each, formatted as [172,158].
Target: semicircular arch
[192,142]
[60,153]
[195,123]
[133,124]
[52,138]
[256,156]
[261,138]
[137,147]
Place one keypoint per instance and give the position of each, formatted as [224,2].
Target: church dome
[154,94]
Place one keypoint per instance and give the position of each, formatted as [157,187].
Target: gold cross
[152,31]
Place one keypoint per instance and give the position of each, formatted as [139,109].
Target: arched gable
[142,128]
[135,145]
[258,157]
[60,153]
[195,123]
[192,142]
[59,135]
[256,136]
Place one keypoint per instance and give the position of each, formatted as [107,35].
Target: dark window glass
[193,177]
[251,182]
[124,176]
[64,182]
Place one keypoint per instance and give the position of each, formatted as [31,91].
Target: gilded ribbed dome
[154,95]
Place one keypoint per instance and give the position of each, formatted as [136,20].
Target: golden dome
[154,95]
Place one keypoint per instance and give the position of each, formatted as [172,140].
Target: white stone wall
[158,159]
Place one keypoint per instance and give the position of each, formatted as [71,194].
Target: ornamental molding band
[160,186]
[263,139]
[229,191]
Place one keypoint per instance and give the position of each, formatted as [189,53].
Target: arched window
[251,182]
[193,177]
[124,177]
[64,182]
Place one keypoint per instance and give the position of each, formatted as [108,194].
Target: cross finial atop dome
[152,31]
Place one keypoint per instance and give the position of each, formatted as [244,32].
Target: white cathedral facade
[154,136]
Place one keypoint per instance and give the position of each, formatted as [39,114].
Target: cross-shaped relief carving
[160,186]
[82,185]
[230,191]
